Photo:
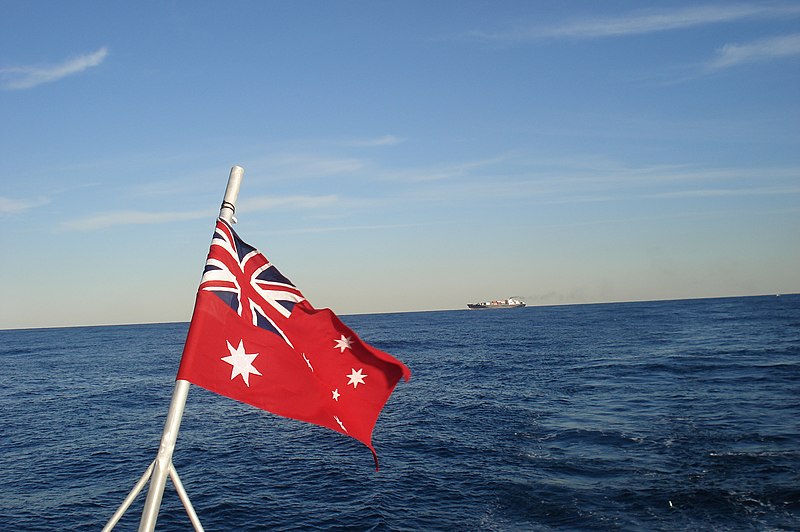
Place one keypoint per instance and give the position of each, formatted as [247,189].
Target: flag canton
[246,281]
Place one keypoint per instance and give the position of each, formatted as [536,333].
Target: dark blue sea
[679,415]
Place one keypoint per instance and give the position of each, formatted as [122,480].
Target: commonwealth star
[241,362]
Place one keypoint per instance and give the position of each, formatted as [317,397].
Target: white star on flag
[241,362]
[356,377]
[343,343]
[336,394]
[340,423]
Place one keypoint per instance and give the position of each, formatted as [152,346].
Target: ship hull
[480,306]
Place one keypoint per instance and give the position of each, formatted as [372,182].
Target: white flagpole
[163,461]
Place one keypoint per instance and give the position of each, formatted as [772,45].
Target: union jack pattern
[246,281]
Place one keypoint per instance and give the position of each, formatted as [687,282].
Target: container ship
[511,302]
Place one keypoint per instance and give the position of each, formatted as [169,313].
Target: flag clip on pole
[162,466]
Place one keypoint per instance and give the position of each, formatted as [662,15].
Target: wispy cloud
[286,202]
[646,21]
[720,192]
[438,172]
[301,166]
[676,182]
[762,50]
[111,219]
[26,77]
[573,182]
[333,228]
[386,140]
[107,220]
[13,206]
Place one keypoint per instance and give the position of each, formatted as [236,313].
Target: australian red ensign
[256,339]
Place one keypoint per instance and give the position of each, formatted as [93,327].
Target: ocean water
[680,415]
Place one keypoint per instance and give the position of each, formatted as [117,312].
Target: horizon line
[532,305]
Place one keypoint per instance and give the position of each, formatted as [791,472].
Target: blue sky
[398,156]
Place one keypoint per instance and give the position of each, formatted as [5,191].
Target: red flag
[256,339]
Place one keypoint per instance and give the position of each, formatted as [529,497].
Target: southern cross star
[241,362]
[336,394]
[356,377]
[339,421]
[343,343]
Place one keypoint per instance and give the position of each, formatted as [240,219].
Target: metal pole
[176,481]
[170,435]
[129,499]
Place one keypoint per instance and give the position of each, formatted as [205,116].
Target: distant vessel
[511,302]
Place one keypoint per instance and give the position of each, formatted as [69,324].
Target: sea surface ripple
[672,415]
